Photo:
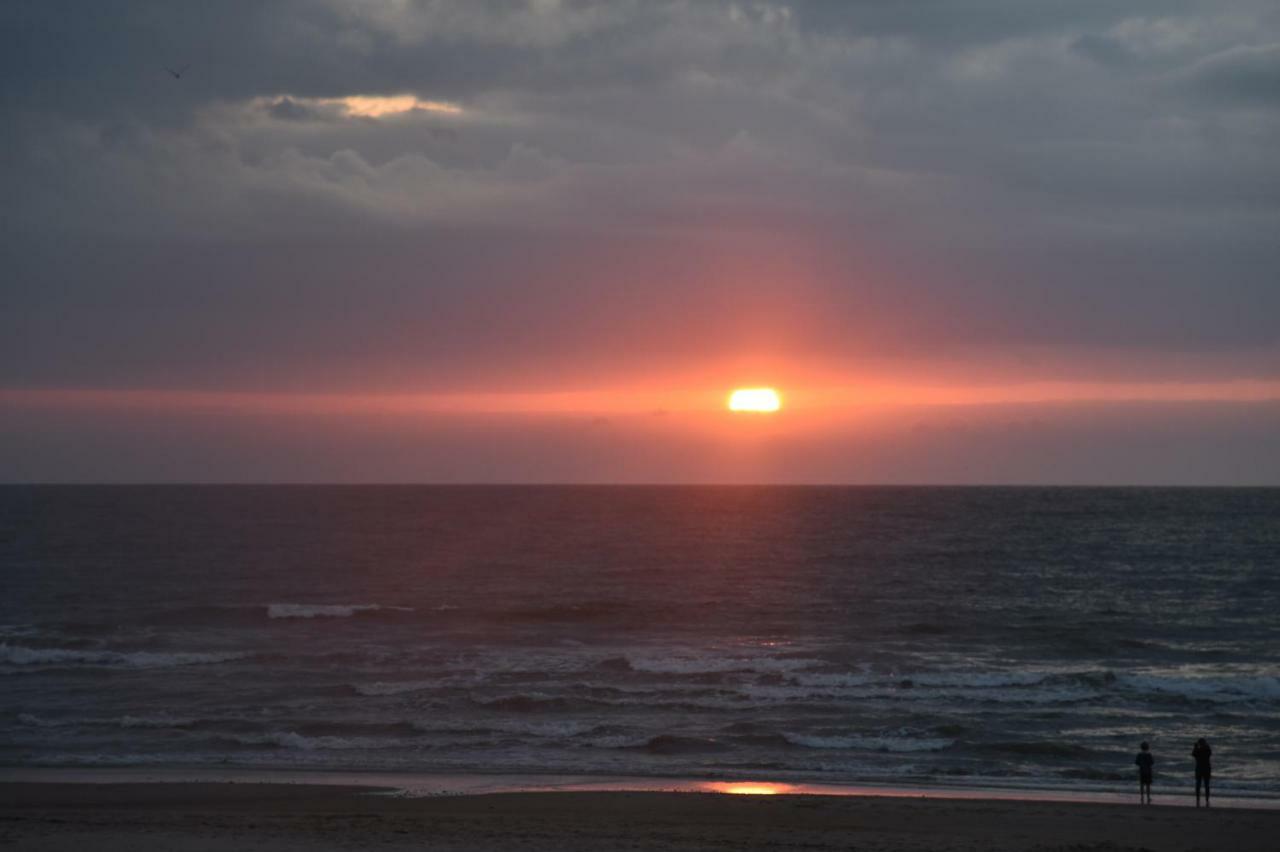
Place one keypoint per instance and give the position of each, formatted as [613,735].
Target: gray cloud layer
[633,184]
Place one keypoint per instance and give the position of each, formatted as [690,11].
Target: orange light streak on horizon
[811,402]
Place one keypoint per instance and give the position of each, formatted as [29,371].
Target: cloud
[1104,49]
[991,173]
[1243,74]
[288,109]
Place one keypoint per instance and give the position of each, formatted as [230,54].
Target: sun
[755,399]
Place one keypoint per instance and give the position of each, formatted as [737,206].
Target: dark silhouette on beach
[1145,762]
[1201,752]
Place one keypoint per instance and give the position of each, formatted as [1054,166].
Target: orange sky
[810,401]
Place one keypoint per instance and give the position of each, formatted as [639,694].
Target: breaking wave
[17,655]
[157,721]
[288,610]
[380,688]
[886,743]
[294,740]
[704,665]
[1213,689]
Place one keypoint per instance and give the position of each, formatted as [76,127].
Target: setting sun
[754,399]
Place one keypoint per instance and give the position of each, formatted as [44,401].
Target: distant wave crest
[290,610]
[18,655]
[885,743]
[294,740]
[157,721]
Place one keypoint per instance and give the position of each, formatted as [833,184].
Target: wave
[524,703]
[95,759]
[794,694]
[1087,774]
[18,655]
[925,628]
[157,721]
[979,680]
[1212,689]
[1039,748]
[670,744]
[549,729]
[592,611]
[381,688]
[615,664]
[287,610]
[705,665]
[880,743]
[294,740]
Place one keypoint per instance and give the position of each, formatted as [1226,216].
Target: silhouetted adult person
[1201,753]
[1145,762]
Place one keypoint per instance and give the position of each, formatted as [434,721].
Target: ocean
[1027,638]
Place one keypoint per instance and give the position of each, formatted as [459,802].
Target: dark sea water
[1023,637]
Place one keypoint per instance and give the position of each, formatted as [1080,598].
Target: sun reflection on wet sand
[746,788]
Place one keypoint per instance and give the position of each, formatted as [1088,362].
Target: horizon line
[588,484]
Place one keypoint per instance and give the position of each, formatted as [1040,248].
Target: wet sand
[211,817]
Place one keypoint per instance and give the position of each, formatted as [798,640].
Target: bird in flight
[177,75]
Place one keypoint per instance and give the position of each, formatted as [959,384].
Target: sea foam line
[289,610]
[18,655]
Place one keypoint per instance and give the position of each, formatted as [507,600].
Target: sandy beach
[283,817]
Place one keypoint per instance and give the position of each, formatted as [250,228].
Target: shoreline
[53,816]
[445,784]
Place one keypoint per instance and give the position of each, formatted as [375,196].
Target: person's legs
[1198,780]
[1206,789]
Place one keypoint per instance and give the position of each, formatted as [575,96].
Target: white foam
[18,655]
[550,729]
[395,687]
[157,721]
[976,680]
[1215,689]
[890,744]
[616,741]
[698,664]
[294,740]
[96,760]
[788,693]
[286,610]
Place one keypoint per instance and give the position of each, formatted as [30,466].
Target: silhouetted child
[1145,762]
[1201,752]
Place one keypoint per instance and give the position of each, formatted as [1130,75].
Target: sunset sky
[995,241]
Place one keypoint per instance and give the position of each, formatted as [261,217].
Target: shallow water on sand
[1026,638]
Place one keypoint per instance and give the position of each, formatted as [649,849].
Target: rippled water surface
[1026,637]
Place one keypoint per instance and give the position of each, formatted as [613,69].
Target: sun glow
[754,399]
[375,106]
